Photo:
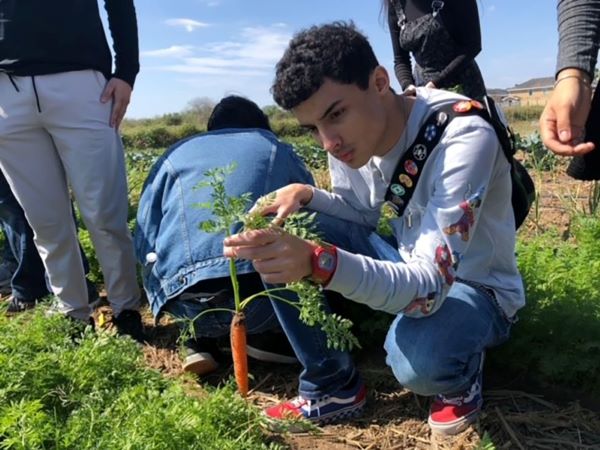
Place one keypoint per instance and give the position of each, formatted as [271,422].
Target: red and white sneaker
[450,415]
[344,404]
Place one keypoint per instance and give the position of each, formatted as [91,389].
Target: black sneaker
[129,323]
[199,356]
[271,346]
[16,306]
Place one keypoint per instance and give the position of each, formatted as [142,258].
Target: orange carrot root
[239,353]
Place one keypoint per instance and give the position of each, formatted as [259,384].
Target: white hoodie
[458,224]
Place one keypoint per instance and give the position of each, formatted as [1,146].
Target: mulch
[394,417]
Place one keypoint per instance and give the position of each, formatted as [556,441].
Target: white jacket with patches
[458,224]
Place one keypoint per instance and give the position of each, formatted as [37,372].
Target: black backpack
[411,164]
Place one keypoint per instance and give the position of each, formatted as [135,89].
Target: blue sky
[212,48]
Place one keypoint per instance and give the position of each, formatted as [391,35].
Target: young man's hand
[288,200]
[278,256]
[119,92]
[563,120]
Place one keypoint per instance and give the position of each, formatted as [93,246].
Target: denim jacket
[174,252]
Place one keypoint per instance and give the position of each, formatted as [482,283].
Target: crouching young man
[184,271]
[448,273]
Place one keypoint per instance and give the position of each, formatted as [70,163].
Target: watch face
[326,261]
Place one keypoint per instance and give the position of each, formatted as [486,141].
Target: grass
[94,392]
[524,120]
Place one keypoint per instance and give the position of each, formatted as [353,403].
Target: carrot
[239,353]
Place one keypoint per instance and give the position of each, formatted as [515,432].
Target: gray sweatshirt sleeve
[463,169]
[579,34]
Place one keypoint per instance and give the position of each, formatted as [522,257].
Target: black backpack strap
[523,187]
[409,167]
[503,131]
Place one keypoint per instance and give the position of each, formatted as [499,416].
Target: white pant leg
[92,155]
[34,171]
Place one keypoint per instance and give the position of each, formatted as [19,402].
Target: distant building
[510,100]
[532,92]
[502,97]
[497,94]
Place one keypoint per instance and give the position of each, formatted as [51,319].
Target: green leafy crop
[93,391]
[229,211]
[558,334]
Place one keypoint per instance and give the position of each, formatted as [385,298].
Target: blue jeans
[442,353]
[217,293]
[324,370]
[29,281]
[432,355]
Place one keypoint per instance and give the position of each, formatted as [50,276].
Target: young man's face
[347,121]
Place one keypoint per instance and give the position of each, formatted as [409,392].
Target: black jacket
[39,37]
[461,19]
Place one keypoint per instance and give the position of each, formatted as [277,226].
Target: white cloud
[189,24]
[174,51]
[254,52]
[256,43]
[209,70]
[228,63]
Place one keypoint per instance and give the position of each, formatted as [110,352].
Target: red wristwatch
[324,263]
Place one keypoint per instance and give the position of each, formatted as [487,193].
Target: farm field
[541,389]
[521,410]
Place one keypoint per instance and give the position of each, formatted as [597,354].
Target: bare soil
[395,418]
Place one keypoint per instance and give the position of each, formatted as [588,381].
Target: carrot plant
[557,337]
[227,213]
[94,392]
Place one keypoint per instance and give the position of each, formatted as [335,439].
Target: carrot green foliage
[229,211]
[557,337]
[64,388]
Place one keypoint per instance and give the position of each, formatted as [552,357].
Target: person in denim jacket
[184,270]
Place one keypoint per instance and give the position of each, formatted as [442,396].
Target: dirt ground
[397,419]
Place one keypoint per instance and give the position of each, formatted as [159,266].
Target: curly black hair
[337,51]
[237,112]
